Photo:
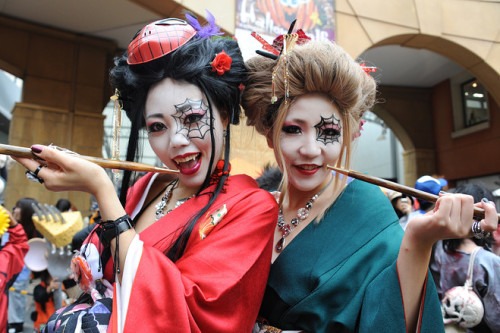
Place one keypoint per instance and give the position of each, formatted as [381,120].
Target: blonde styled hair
[320,67]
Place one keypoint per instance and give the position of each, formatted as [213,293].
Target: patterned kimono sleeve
[216,286]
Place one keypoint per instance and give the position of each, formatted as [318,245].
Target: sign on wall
[273,17]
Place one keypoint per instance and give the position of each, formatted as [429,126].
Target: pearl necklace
[302,214]
[160,207]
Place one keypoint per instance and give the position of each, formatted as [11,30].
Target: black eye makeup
[328,130]
[155,127]
[291,129]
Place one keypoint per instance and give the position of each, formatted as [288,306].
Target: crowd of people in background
[451,258]
[31,293]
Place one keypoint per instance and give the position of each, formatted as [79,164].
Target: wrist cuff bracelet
[112,229]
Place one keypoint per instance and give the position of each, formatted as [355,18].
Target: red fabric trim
[422,303]
[113,322]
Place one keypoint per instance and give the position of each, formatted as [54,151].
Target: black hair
[27,211]
[63,205]
[424,204]
[189,63]
[40,294]
[270,178]
[478,192]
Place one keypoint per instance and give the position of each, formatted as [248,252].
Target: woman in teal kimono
[341,262]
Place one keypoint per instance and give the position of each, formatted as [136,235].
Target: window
[475,103]
[470,105]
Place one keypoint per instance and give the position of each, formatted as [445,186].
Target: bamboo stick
[103,162]
[478,212]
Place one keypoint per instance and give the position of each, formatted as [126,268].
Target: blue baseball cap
[443,182]
[428,184]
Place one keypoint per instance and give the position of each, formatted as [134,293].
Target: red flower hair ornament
[221,63]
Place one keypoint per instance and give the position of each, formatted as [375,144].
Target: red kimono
[11,263]
[218,284]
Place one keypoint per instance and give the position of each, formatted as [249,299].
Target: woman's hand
[65,172]
[451,217]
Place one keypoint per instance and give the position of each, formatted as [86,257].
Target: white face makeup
[178,125]
[311,139]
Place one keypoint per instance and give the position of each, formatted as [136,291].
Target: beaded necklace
[302,214]
[160,207]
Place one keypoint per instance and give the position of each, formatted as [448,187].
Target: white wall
[376,154]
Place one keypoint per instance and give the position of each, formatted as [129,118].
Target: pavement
[30,307]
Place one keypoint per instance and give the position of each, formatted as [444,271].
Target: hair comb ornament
[274,51]
[285,43]
[158,39]
[302,38]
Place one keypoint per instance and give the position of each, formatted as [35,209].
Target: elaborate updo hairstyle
[320,67]
[183,51]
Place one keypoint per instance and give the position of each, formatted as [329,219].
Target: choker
[160,207]
[302,214]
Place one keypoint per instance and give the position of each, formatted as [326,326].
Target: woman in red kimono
[11,259]
[341,262]
[191,251]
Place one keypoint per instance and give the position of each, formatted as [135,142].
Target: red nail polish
[36,149]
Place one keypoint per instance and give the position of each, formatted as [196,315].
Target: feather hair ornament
[209,30]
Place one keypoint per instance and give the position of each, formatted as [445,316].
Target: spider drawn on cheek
[328,130]
[192,119]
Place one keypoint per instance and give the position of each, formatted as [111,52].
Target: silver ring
[33,175]
[478,231]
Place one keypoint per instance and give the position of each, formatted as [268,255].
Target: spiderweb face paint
[328,130]
[192,119]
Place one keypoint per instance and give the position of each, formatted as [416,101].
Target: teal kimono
[340,275]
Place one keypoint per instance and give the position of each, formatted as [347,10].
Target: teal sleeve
[382,309]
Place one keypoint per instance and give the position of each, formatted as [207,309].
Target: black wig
[191,63]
